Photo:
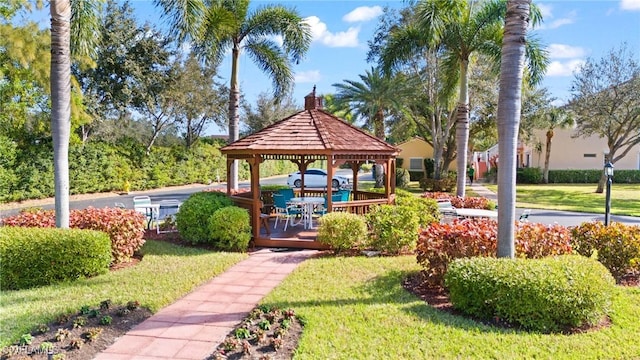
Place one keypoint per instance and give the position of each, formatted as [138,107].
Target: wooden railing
[360,207]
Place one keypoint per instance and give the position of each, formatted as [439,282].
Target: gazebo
[307,136]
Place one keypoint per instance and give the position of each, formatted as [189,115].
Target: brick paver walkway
[195,325]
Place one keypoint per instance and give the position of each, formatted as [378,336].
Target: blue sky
[572,31]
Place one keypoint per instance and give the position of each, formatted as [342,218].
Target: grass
[625,198]
[356,308]
[167,273]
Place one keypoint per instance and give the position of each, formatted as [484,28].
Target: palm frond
[85,27]
[184,17]
[537,60]
[271,60]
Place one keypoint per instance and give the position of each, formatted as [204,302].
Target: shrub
[393,229]
[125,227]
[469,202]
[402,178]
[34,256]
[529,176]
[230,228]
[341,230]
[575,176]
[193,218]
[425,209]
[617,245]
[444,184]
[546,295]
[439,244]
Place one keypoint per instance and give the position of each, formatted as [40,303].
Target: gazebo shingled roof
[312,131]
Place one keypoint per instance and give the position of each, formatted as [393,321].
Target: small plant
[42,329]
[94,313]
[261,336]
[79,322]
[289,314]
[133,305]
[264,324]
[219,355]
[246,347]
[92,334]
[105,305]
[124,311]
[243,333]
[280,332]
[60,356]
[76,344]
[25,339]
[255,314]
[62,334]
[46,346]
[62,319]
[230,344]
[277,343]
[85,309]
[286,324]
[264,308]
[106,320]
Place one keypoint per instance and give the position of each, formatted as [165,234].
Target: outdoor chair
[524,217]
[167,211]
[287,193]
[120,205]
[142,204]
[284,211]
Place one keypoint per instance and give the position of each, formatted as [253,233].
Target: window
[415,164]
[589,155]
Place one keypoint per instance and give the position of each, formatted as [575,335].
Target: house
[414,151]
[569,153]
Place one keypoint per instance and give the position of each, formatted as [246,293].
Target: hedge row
[36,256]
[592,176]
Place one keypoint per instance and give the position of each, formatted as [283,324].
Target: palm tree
[65,37]
[217,26]
[371,99]
[509,106]
[463,28]
[556,118]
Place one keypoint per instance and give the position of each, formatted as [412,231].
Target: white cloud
[311,76]
[550,23]
[630,5]
[562,51]
[559,68]
[320,33]
[546,10]
[363,13]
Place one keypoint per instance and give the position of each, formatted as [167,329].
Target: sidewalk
[193,326]
[484,192]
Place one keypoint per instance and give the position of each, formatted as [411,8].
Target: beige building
[414,151]
[568,153]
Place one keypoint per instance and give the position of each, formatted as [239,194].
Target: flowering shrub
[439,244]
[617,245]
[468,202]
[125,227]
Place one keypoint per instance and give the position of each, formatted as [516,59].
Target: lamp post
[608,172]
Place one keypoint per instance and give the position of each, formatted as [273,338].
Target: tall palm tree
[66,36]
[371,99]
[464,28]
[554,119]
[220,25]
[509,106]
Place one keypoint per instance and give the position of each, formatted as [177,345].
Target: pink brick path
[193,326]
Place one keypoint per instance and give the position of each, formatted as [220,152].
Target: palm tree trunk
[547,156]
[61,105]
[234,115]
[378,124]
[509,106]
[462,129]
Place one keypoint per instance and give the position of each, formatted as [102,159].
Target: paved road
[565,218]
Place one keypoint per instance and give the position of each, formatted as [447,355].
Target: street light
[608,172]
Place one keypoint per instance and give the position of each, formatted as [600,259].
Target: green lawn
[356,308]
[166,273]
[625,198]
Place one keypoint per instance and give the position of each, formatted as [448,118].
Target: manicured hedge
[193,218]
[37,256]
[529,176]
[546,295]
[342,231]
[393,229]
[230,228]
[592,176]
[125,227]
[616,246]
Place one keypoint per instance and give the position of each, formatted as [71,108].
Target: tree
[371,100]
[606,102]
[462,29]
[62,43]
[556,118]
[267,112]
[199,100]
[217,26]
[509,104]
